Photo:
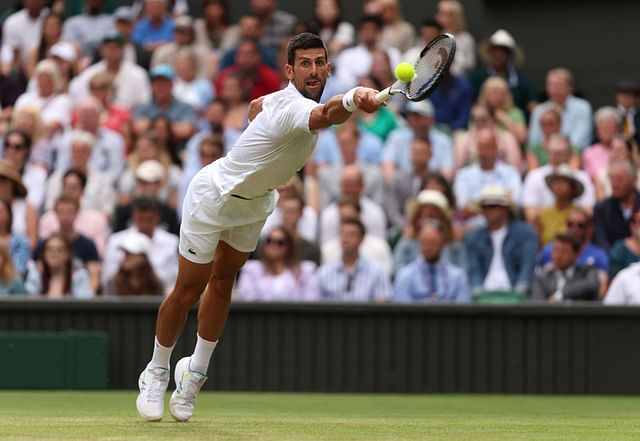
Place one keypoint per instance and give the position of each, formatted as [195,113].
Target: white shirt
[355,63]
[372,217]
[273,148]
[54,109]
[307,226]
[35,179]
[131,84]
[497,278]
[536,192]
[624,288]
[373,247]
[21,32]
[163,255]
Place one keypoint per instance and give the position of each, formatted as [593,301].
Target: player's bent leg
[154,379]
[212,315]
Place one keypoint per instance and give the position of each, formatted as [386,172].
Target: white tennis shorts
[209,216]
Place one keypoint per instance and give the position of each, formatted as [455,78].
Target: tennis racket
[434,61]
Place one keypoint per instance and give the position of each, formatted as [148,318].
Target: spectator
[26,119]
[257,79]
[487,171]
[396,154]
[130,82]
[276,23]
[107,154]
[235,100]
[353,277]
[51,34]
[163,252]
[565,188]
[150,182]
[184,38]
[197,92]
[595,158]
[124,20]
[466,142]
[627,102]
[17,151]
[91,222]
[502,57]
[452,100]
[511,269]
[626,251]
[279,274]
[156,26]
[250,28]
[113,117]
[355,62]
[18,244]
[214,29]
[429,205]
[24,219]
[346,144]
[536,195]
[349,140]
[612,214]
[495,94]
[88,29]
[375,248]
[135,275]
[210,149]
[396,31]
[84,248]
[352,188]
[183,118]
[622,148]
[21,33]
[65,55]
[576,112]
[93,187]
[430,278]
[333,29]
[624,288]
[450,15]
[429,29]
[580,225]
[551,124]
[57,274]
[49,98]
[10,278]
[564,280]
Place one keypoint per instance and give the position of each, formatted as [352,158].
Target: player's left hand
[365,99]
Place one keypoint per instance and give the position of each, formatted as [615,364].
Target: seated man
[563,280]
[353,277]
[429,278]
[511,269]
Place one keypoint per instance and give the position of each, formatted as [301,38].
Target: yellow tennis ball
[405,72]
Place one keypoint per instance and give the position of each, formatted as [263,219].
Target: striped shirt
[366,282]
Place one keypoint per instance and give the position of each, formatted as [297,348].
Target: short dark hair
[25,136]
[569,239]
[145,204]
[306,40]
[357,222]
[77,173]
[373,19]
[431,23]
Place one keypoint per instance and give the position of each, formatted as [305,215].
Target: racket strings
[430,66]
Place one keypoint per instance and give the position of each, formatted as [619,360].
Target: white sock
[201,355]
[161,355]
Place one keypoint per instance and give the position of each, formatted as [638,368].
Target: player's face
[309,72]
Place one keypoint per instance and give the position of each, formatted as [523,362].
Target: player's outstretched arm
[338,109]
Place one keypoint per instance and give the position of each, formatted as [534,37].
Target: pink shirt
[90,223]
[594,159]
[256,284]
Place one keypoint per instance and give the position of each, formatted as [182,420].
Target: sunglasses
[13,145]
[279,242]
[572,224]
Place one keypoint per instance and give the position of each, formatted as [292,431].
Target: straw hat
[136,243]
[495,195]
[8,171]
[564,171]
[429,197]
[504,39]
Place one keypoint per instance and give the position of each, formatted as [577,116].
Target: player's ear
[288,71]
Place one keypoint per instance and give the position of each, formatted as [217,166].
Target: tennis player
[224,209]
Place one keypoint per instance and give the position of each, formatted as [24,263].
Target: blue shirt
[576,122]
[145,33]
[367,282]
[591,255]
[452,102]
[440,282]
[470,181]
[177,111]
[369,149]
[397,149]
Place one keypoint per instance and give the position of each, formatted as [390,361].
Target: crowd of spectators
[493,185]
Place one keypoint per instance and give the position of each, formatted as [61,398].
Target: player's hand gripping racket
[433,63]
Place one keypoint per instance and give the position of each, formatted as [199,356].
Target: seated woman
[622,147]
[135,275]
[496,95]
[17,243]
[279,275]
[551,124]
[57,274]
[10,279]
[627,251]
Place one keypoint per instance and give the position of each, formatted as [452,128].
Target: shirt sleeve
[295,115]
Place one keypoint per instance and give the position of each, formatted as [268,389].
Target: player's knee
[185,298]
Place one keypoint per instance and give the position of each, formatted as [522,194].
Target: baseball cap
[424,108]
[64,50]
[495,195]
[136,243]
[162,71]
[114,37]
[150,171]
[183,21]
[123,13]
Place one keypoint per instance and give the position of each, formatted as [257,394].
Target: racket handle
[387,93]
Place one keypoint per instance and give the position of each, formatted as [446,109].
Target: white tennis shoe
[188,384]
[152,384]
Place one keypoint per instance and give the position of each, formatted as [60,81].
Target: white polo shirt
[271,150]
[624,288]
